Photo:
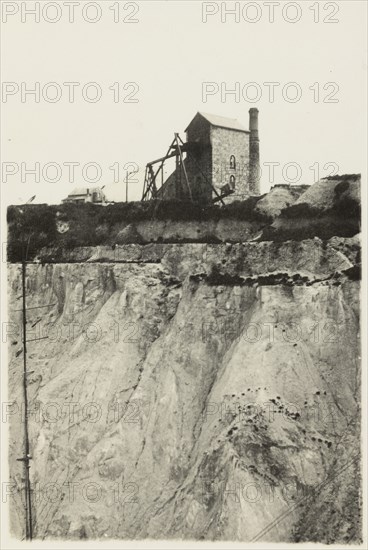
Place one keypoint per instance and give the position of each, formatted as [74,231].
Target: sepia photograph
[183,275]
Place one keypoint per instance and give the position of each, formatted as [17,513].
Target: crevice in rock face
[216,278]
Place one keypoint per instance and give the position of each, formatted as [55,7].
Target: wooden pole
[183,165]
[154,175]
[26,459]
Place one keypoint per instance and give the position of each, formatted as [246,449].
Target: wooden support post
[162,163]
[26,458]
[153,175]
[204,175]
[177,178]
[183,165]
[144,184]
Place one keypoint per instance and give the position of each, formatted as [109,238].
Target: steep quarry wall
[191,391]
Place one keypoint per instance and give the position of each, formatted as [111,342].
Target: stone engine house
[222,161]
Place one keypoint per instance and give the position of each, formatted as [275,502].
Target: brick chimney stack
[254,165]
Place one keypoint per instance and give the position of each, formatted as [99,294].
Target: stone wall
[224,144]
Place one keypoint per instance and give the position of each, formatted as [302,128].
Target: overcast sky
[169,53]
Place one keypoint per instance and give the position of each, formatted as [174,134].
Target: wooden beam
[184,169]
[185,147]
[170,155]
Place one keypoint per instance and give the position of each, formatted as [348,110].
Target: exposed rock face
[212,395]
[129,235]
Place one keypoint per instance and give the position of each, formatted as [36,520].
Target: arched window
[232,163]
[232,182]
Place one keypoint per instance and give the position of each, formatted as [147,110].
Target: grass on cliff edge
[91,225]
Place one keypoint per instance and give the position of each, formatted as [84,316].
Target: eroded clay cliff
[192,391]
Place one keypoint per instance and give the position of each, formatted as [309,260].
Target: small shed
[93,195]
